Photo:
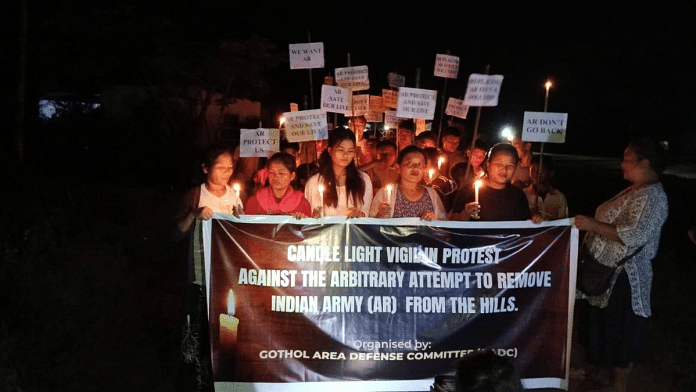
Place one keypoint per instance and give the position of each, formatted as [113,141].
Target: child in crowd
[382,170]
[408,197]
[279,198]
[347,191]
[499,200]
[425,139]
[543,198]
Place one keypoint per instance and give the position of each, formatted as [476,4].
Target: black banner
[385,304]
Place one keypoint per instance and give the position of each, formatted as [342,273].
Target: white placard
[544,127]
[446,66]
[456,108]
[396,80]
[306,125]
[259,142]
[353,78]
[483,90]
[390,120]
[416,103]
[309,55]
[361,104]
[390,99]
[335,99]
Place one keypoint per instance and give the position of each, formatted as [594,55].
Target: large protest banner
[384,305]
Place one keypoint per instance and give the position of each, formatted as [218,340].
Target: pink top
[264,203]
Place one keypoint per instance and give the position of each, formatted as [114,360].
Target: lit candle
[440,162]
[477,185]
[228,324]
[236,188]
[320,188]
[389,189]
[431,174]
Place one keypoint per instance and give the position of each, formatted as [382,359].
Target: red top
[264,203]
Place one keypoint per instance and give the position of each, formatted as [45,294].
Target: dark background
[92,285]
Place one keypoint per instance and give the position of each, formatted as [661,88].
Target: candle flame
[236,187]
[548,84]
[320,188]
[230,303]
[431,173]
[478,184]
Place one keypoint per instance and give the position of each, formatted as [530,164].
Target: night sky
[617,70]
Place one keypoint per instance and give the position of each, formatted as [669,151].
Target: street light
[507,134]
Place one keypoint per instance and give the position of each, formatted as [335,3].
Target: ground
[85,262]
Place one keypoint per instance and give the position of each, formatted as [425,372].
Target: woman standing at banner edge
[615,324]
[279,198]
[409,198]
[499,200]
[347,190]
[199,203]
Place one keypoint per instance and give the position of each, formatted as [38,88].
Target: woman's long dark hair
[355,187]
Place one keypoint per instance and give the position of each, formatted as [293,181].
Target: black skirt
[615,335]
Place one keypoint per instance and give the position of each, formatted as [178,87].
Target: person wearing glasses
[408,197]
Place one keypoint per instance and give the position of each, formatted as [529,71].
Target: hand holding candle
[477,185]
[237,188]
[320,188]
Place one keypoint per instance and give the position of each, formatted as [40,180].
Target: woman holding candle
[347,191]
[409,198]
[200,203]
[279,198]
[498,200]
[628,225]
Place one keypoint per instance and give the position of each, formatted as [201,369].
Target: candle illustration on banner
[389,189]
[236,188]
[477,185]
[228,324]
[440,162]
[320,188]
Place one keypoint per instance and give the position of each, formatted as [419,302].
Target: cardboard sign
[361,104]
[446,66]
[456,108]
[353,78]
[310,55]
[306,125]
[374,114]
[335,99]
[483,90]
[390,98]
[396,80]
[416,103]
[258,142]
[544,127]
[390,120]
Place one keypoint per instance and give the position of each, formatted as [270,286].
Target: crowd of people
[412,175]
[356,175]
